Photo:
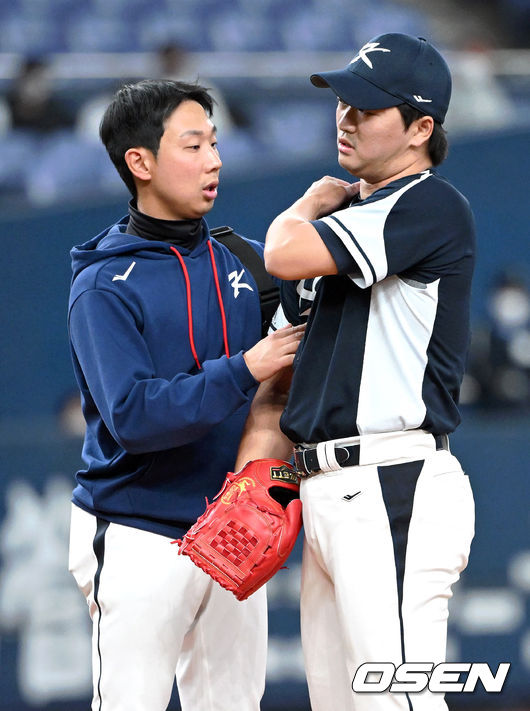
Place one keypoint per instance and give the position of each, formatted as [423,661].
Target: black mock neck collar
[181,233]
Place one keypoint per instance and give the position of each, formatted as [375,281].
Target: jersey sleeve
[143,412]
[418,230]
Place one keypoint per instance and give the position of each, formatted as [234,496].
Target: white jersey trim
[361,229]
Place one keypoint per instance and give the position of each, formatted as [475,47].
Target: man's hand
[274,352]
[327,195]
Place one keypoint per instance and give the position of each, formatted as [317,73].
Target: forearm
[262,437]
[293,247]
[286,224]
[146,412]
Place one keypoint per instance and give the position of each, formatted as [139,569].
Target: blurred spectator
[91,112]
[32,102]
[499,368]
[170,61]
[174,61]
[5,117]
[70,420]
[479,100]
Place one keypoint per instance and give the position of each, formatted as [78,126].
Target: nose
[346,117]
[215,161]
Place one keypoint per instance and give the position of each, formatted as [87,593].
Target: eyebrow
[196,132]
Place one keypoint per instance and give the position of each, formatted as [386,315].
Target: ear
[422,130]
[140,162]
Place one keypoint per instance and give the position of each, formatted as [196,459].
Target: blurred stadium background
[60,61]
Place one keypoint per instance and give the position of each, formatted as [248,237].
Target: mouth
[344,146]
[210,191]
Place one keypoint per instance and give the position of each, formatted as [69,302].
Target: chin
[205,208]
[345,163]
[198,213]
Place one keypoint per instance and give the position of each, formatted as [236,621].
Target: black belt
[347,455]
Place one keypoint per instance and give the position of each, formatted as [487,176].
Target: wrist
[243,372]
[306,208]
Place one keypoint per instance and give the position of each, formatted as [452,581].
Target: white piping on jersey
[307,294]
[361,229]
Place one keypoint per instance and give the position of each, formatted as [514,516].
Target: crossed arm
[293,247]
[293,250]
[262,437]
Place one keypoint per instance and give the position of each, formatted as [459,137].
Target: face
[374,145]
[184,176]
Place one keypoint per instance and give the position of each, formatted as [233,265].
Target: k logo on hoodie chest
[235,282]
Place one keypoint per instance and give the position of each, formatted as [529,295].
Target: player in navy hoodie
[165,326]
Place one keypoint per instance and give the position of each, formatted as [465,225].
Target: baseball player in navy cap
[388,259]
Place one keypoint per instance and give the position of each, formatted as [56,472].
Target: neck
[368,187]
[181,233]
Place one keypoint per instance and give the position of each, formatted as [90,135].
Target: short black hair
[438,145]
[137,115]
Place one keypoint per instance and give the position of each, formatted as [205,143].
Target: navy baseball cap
[392,69]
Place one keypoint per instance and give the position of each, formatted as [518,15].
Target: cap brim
[354,90]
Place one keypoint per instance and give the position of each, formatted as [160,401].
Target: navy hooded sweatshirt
[162,431]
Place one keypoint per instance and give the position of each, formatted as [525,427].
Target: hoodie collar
[182,233]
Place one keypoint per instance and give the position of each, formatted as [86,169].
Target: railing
[237,65]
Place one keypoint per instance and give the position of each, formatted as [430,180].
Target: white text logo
[235,282]
[421,100]
[368,47]
[412,678]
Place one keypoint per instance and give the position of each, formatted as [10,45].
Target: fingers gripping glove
[248,531]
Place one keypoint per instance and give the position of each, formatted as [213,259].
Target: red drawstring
[219,298]
[188,299]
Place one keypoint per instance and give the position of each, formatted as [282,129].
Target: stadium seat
[89,33]
[68,167]
[156,29]
[311,30]
[30,36]
[295,129]
[234,31]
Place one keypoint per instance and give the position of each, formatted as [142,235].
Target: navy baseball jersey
[395,318]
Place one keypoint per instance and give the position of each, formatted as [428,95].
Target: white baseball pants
[384,543]
[156,615]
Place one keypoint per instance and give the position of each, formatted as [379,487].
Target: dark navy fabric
[161,434]
[398,486]
[297,298]
[325,398]
[99,552]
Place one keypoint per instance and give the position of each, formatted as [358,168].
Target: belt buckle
[305,471]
